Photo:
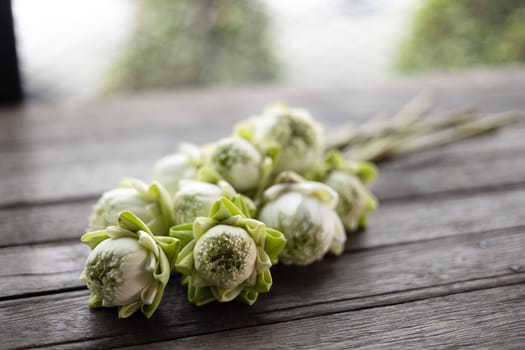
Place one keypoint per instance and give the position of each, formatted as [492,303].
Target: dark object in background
[10,84]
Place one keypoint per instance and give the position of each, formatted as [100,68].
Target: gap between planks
[383,270]
[134,338]
[66,262]
[412,220]
[467,172]
[481,318]
[89,173]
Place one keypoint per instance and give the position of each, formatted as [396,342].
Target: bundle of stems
[411,130]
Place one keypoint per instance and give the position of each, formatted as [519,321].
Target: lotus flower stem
[408,132]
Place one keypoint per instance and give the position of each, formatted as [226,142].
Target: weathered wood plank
[89,179]
[49,155]
[415,220]
[428,218]
[353,275]
[63,320]
[38,160]
[469,177]
[500,144]
[40,268]
[488,319]
[490,91]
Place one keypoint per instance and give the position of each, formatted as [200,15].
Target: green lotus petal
[161,206]
[263,261]
[148,242]
[226,212]
[248,297]
[136,184]
[166,205]
[148,310]
[198,282]
[370,206]
[129,221]
[356,199]
[118,232]
[257,231]
[266,173]
[325,195]
[199,296]
[219,211]
[127,310]
[337,249]
[151,204]
[184,233]
[171,247]
[371,203]
[236,220]
[208,174]
[289,177]
[334,160]
[264,282]
[226,294]
[92,239]
[163,269]
[244,129]
[245,204]
[223,209]
[367,172]
[95,301]
[185,280]
[292,182]
[201,225]
[162,252]
[185,260]
[274,243]
[148,294]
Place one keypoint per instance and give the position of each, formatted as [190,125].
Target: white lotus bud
[225,256]
[195,198]
[238,162]
[178,166]
[151,204]
[355,200]
[299,138]
[305,213]
[119,270]
[129,267]
[350,179]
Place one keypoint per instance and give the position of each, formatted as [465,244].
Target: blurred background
[74,51]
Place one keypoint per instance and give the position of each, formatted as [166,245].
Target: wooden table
[442,264]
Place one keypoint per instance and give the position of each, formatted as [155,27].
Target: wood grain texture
[393,223]
[33,269]
[53,266]
[39,145]
[472,176]
[342,281]
[136,115]
[441,266]
[489,319]
[89,179]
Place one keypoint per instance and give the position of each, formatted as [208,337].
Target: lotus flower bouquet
[223,214]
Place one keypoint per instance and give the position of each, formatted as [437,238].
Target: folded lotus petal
[128,266]
[227,255]
[151,204]
[304,211]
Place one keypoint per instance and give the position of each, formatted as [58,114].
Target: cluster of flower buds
[223,214]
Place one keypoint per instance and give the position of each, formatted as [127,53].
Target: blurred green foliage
[461,33]
[194,43]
